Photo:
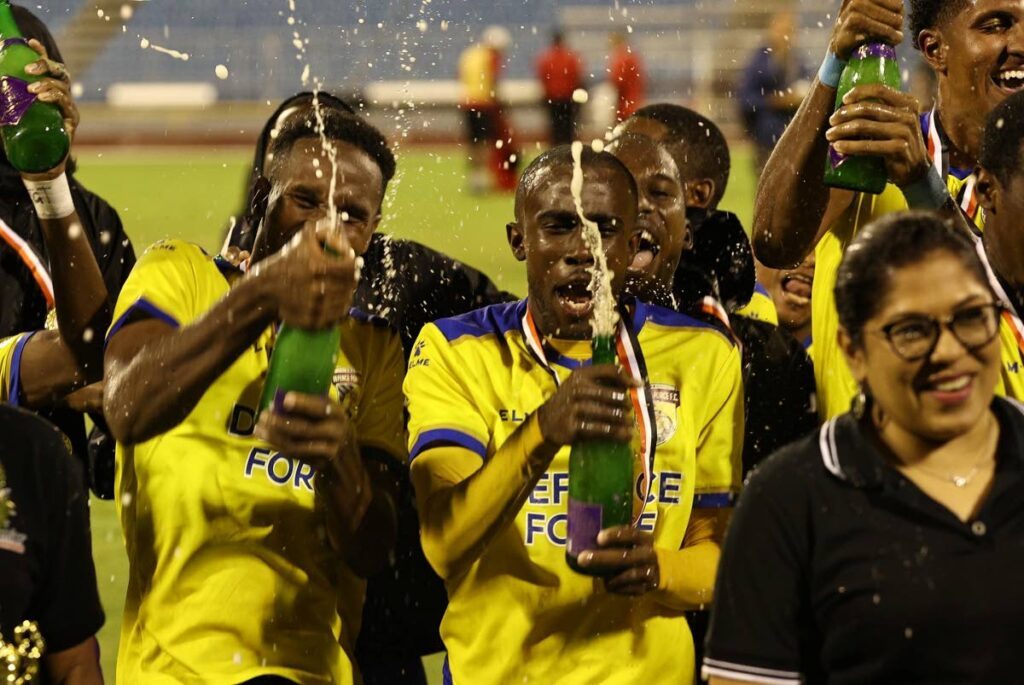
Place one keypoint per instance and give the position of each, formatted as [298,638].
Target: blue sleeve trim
[446,673]
[495,319]
[758,288]
[713,500]
[145,306]
[14,396]
[447,435]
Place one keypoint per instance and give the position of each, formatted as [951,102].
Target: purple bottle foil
[869,50]
[584,525]
[14,100]
[14,96]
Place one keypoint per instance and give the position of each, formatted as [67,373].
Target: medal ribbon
[631,358]
[31,260]
[967,198]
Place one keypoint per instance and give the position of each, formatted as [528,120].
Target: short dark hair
[1001,141]
[890,243]
[929,14]
[562,156]
[339,126]
[695,142]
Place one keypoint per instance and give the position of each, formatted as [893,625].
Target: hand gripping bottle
[870,63]
[600,481]
[33,131]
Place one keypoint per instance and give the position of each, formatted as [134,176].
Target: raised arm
[793,205]
[156,371]
[83,314]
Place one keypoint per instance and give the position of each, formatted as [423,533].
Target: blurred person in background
[885,548]
[627,75]
[36,274]
[773,85]
[47,576]
[479,70]
[976,51]
[560,72]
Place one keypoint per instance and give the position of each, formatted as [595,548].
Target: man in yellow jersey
[479,67]
[497,396]
[248,541]
[776,370]
[1001,247]
[976,49]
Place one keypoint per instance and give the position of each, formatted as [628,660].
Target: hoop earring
[861,404]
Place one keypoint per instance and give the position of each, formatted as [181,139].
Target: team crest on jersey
[346,381]
[666,402]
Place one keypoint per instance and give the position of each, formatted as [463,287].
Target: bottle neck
[8,27]
[603,347]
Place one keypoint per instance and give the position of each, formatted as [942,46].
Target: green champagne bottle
[600,481]
[33,132]
[870,63]
[302,361]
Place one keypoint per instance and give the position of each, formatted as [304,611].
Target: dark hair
[337,126]
[241,233]
[1001,141]
[928,14]
[562,156]
[695,142]
[32,26]
[557,37]
[885,245]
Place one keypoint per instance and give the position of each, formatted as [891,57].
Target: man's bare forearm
[791,195]
[83,310]
[156,374]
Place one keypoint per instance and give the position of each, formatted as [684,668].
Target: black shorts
[480,124]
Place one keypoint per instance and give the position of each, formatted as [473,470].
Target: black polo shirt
[838,569]
[46,567]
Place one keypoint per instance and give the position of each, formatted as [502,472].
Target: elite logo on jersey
[666,403]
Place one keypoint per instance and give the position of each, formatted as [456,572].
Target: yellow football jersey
[761,307]
[520,614]
[836,386]
[230,574]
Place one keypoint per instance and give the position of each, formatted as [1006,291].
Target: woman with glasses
[888,546]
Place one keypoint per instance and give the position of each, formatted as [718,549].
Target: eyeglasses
[915,337]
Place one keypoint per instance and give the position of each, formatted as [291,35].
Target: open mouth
[575,298]
[1009,80]
[645,254]
[797,289]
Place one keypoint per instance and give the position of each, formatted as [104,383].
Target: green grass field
[191,193]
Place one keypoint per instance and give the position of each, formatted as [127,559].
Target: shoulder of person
[789,474]
[672,319]
[493,320]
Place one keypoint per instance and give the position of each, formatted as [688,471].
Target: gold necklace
[958,481]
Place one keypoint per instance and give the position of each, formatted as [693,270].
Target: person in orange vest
[560,72]
[479,69]
[626,74]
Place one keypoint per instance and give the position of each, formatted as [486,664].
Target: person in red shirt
[626,73]
[560,72]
